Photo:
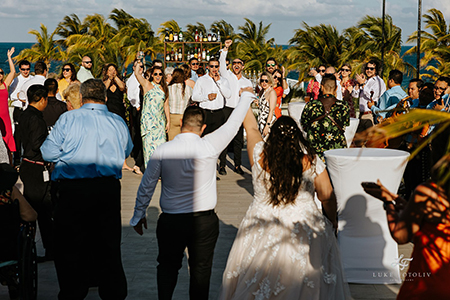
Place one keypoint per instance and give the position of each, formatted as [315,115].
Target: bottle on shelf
[171,36]
[166,37]
[218,37]
[180,54]
[196,53]
[205,38]
[168,56]
[209,37]
[204,54]
[214,38]
[200,37]
[196,37]
[175,37]
[180,36]
[172,56]
[208,56]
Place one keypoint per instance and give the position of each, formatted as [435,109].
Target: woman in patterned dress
[267,103]
[285,247]
[155,119]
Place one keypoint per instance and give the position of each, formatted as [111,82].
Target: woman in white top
[179,95]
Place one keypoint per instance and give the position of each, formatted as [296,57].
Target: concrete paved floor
[139,252]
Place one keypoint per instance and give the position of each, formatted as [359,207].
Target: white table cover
[369,253]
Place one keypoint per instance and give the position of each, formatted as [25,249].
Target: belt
[194,214]
[213,110]
[367,112]
[41,163]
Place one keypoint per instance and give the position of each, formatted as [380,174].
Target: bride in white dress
[285,247]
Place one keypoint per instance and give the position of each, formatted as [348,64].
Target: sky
[17,18]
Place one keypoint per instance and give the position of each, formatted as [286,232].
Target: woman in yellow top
[67,77]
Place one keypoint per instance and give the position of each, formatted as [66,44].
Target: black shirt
[54,109]
[32,132]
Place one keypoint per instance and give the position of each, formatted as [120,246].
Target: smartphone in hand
[370,185]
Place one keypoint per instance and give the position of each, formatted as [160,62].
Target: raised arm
[146,85]
[222,59]
[253,134]
[272,99]
[12,72]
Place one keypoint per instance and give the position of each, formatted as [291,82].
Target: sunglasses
[2,73]
[370,68]
[237,62]
[67,69]
[321,70]
[440,88]
[277,78]
[25,69]
[157,74]
[264,80]
[88,62]
[213,66]
[194,64]
[271,65]
[345,70]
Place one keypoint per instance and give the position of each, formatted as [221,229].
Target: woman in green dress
[155,110]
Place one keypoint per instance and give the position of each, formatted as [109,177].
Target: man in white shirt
[14,89]
[371,87]
[84,73]
[236,82]
[271,66]
[329,71]
[187,167]
[40,75]
[211,91]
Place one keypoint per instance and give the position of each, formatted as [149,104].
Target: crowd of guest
[71,135]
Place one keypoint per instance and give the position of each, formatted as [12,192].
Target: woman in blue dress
[155,110]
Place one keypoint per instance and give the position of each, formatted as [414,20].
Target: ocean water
[55,65]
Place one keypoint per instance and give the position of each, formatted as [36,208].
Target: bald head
[330,70]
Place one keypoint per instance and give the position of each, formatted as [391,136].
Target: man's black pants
[213,120]
[88,232]
[238,142]
[37,193]
[17,112]
[198,232]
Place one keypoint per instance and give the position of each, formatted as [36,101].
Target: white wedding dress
[284,252]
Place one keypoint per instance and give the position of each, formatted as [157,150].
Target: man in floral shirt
[324,120]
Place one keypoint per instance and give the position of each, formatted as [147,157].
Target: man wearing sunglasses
[84,73]
[371,87]
[271,66]
[441,94]
[211,91]
[236,82]
[40,74]
[14,89]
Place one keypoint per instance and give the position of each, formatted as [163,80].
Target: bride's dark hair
[283,155]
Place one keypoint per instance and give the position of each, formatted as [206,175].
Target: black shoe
[238,170]
[222,171]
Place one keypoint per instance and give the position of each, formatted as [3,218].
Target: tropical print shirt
[323,134]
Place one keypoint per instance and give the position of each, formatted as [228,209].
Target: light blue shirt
[446,100]
[88,142]
[194,75]
[388,101]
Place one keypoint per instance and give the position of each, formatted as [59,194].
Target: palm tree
[46,48]
[434,45]
[365,41]
[120,17]
[254,47]
[313,46]
[70,24]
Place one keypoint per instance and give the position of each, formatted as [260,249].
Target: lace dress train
[284,252]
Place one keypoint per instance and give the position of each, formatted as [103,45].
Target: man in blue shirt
[441,94]
[390,98]
[88,146]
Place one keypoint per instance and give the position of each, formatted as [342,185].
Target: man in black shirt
[54,108]
[33,170]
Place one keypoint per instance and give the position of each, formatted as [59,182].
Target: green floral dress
[323,134]
[153,121]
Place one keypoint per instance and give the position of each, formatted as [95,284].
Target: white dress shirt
[338,85]
[84,74]
[15,88]
[234,83]
[187,167]
[204,86]
[133,91]
[37,79]
[374,84]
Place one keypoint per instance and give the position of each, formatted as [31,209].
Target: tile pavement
[139,252]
